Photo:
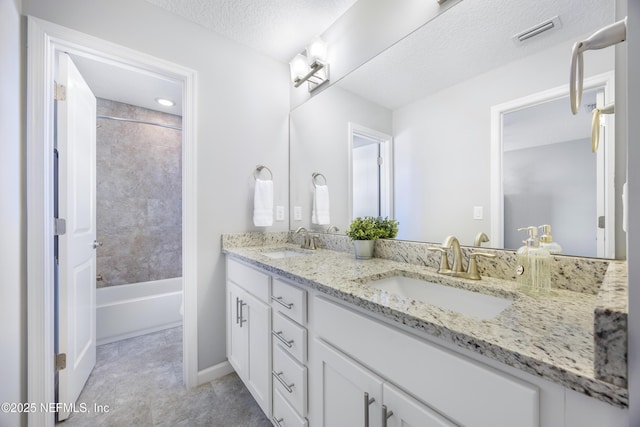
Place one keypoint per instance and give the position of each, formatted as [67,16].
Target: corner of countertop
[610,326]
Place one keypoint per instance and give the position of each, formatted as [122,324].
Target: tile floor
[141,381]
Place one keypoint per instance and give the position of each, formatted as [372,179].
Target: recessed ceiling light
[165,102]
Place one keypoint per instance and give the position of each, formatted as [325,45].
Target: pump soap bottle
[546,240]
[533,271]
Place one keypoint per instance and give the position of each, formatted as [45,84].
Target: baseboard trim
[214,372]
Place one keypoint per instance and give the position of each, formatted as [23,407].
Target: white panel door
[76,140]
[404,411]
[258,324]
[344,384]
[237,331]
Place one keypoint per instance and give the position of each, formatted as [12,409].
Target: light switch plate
[297,213]
[279,213]
[478,212]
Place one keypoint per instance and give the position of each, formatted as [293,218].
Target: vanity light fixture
[312,67]
[165,102]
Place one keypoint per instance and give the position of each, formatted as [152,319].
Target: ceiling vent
[550,24]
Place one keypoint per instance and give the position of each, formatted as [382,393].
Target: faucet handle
[444,261]
[472,270]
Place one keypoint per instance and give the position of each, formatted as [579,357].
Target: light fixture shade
[317,51]
[298,66]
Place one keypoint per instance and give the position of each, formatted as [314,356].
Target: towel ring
[315,176]
[259,169]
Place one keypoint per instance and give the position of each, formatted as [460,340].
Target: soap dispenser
[533,270]
[546,241]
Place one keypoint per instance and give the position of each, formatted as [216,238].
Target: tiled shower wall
[139,196]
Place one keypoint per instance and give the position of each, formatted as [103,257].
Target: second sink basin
[462,301]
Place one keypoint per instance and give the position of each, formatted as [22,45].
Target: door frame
[386,152]
[44,39]
[606,162]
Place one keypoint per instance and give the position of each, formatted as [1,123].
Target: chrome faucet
[332,229]
[480,239]
[451,242]
[308,241]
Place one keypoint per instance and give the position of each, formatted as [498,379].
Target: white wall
[243,105]
[442,144]
[13,356]
[319,143]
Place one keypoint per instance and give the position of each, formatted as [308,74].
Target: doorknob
[96,244]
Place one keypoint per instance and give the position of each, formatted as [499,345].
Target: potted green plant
[364,231]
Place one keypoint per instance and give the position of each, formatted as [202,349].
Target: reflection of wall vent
[549,24]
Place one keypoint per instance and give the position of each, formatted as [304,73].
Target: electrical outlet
[279,213]
[477,212]
[297,213]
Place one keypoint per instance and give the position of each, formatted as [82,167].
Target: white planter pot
[364,248]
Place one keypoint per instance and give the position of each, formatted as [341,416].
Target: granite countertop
[551,336]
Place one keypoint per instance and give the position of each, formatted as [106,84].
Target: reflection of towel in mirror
[263,203]
[320,212]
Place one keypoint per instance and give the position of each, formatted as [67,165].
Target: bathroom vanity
[319,341]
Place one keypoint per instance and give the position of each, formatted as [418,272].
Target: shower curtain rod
[120,119]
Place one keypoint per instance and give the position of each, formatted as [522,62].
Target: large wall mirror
[435,93]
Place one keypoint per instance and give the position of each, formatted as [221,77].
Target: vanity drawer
[289,300]
[250,279]
[291,336]
[284,415]
[290,379]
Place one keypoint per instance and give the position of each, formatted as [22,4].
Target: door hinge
[59,226]
[59,92]
[601,221]
[61,361]
[379,161]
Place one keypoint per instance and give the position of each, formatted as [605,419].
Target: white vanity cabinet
[351,395]
[249,329]
[289,370]
[440,388]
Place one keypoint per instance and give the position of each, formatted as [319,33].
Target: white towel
[320,212]
[263,203]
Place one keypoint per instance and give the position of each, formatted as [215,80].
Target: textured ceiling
[471,38]
[278,28]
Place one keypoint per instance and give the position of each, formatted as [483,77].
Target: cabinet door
[256,322]
[237,331]
[404,411]
[341,400]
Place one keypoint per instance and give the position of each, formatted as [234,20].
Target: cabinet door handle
[237,310]
[288,387]
[367,402]
[287,305]
[288,343]
[242,319]
[277,421]
[385,415]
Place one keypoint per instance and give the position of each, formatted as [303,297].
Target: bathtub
[127,311]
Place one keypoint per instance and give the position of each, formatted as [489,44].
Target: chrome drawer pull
[237,310]
[282,340]
[288,387]
[277,421]
[385,415]
[282,303]
[367,402]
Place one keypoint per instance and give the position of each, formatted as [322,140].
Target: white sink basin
[459,300]
[283,253]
